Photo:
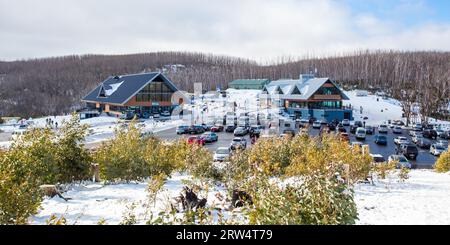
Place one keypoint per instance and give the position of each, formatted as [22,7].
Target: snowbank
[423,199]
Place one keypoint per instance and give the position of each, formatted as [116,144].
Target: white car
[221,154]
[361,133]
[397,130]
[402,161]
[383,128]
[401,140]
[437,149]
[165,114]
[317,124]
[346,122]
[417,138]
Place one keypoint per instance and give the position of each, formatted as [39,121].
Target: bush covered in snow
[443,163]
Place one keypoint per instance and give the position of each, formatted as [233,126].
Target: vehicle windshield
[439,147]
[236,140]
[361,131]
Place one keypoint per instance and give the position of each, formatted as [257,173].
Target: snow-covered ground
[92,202]
[423,199]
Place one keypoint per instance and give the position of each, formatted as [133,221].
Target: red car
[344,137]
[196,140]
[217,128]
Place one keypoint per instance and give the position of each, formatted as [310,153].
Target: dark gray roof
[121,89]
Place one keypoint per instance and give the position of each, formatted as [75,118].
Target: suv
[402,161]
[346,122]
[410,151]
[383,129]
[361,133]
[256,130]
[430,133]
[381,140]
[437,149]
[196,129]
[182,129]
[230,128]
[240,131]
[238,143]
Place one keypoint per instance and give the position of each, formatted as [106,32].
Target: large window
[155,91]
[328,91]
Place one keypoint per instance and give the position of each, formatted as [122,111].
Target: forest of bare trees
[56,85]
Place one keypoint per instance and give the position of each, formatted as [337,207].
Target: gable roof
[120,89]
[307,88]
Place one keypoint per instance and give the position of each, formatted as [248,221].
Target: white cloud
[249,28]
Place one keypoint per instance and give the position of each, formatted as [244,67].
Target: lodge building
[308,97]
[142,94]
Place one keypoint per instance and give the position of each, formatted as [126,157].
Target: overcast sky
[256,29]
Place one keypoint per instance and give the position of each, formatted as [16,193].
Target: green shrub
[317,200]
[19,198]
[199,163]
[443,163]
[122,158]
[72,159]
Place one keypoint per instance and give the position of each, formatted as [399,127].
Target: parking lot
[424,160]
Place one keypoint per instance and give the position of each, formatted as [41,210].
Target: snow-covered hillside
[422,199]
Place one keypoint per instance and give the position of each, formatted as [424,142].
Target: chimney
[305,77]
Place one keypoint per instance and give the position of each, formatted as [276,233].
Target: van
[361,133]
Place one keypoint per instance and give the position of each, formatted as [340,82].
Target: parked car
[238,143]
[370,130]
[358,124]
[240,131]
[402,161]
[183,129]
[207,127]
[341,129]
[221,154]
[439,132]
[196,140]
[437,149]
[156,116]
[331,126]
[444,143]
[165,114]
[417,127]
[446,134]
[383,129]
[381,140]
[361,134]
[377,158]
[256,129]
[401,140]
[424,143]
[196,129]
[408,150]
[397,130]
[430,133]
[353,129]
[230,129]
[346,122]
[344,137]
[217,128]
[417,138]
[210,137]
[317,124]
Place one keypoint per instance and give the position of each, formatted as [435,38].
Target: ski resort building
[249,84]
[308,97]
[141,94]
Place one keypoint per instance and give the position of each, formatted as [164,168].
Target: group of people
[51,123]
